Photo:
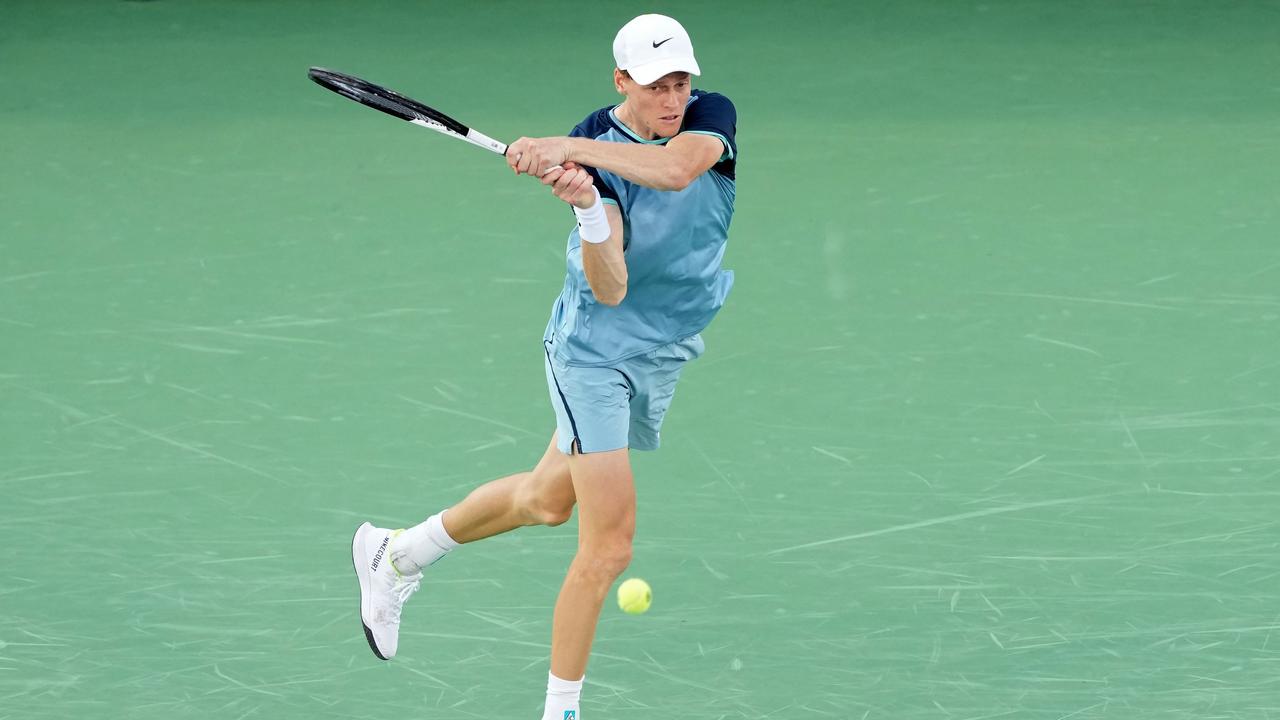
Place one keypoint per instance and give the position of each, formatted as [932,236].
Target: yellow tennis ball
[634,596]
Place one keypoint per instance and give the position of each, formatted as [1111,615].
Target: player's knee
[606,562]
[553,514]
[544,503]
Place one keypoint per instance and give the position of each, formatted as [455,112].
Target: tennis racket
[393,103]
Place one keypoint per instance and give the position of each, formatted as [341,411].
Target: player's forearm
[606,270]
[649,165]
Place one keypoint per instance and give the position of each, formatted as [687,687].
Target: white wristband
[593,224]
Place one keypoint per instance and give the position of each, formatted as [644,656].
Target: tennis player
[651,181]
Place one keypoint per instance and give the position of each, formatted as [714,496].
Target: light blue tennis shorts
[607,408]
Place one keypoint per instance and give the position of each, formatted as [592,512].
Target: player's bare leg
[543,496]
[389,563]
[606,524]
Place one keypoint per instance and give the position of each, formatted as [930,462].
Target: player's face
[659,106]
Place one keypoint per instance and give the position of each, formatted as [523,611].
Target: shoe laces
[402,588]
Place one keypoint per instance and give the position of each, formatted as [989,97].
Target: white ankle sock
[562,699]
[421,545]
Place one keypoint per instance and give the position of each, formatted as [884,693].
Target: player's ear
[620,77]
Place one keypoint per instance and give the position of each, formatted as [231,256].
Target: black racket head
[380,98]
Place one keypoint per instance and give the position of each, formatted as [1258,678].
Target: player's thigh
[606,495]
[551,483]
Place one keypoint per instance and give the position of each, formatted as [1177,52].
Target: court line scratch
[941,521]
[1247,373]
[830,454]
[921,477]
[24,478]
[460,413]
[1025,465]
[1069,298]
[1063,343]
[719,473]
[247,335]
[198,451]
[1125,424]
[224,676]
[253,558]
[25,276]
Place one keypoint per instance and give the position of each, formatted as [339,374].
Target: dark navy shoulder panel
[592,127]
[713,113]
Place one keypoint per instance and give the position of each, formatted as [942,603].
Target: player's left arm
[672,166]
[706,138]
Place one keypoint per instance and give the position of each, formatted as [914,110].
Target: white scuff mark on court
[1155,280]
[1133,440]
[393,312]
[459,413]
[25,276]
[987,600]
[233,681]
[493,619]
[58,404]
[1220,536]
[1045,412]
[1247,373]
[502,440]
[724,478]
[288,321]
[945,519]
[924,199]
[1063,343]
[24,478]
[654,661]
[191,391]
[714,572]
[200,348]
[246,335]
[242,559]
[1102,704]
[1025,465]
[542,646]
[920,477]
[1069,298]
[193,449]
[110,381]
[830,454]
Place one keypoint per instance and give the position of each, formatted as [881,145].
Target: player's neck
[623,113]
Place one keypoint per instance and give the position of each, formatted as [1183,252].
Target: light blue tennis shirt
[673,243]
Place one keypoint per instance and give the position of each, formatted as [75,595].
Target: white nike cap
[651,46]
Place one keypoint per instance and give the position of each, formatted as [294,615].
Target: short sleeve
[713,114]
[603,182]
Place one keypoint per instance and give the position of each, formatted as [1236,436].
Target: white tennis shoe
[383,590]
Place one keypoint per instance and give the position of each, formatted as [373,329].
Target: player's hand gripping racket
[393,103]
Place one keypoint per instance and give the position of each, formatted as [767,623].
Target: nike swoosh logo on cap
[657,44]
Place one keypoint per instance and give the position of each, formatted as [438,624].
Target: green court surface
[990,426]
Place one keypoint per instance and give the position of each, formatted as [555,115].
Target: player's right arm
[604,263]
